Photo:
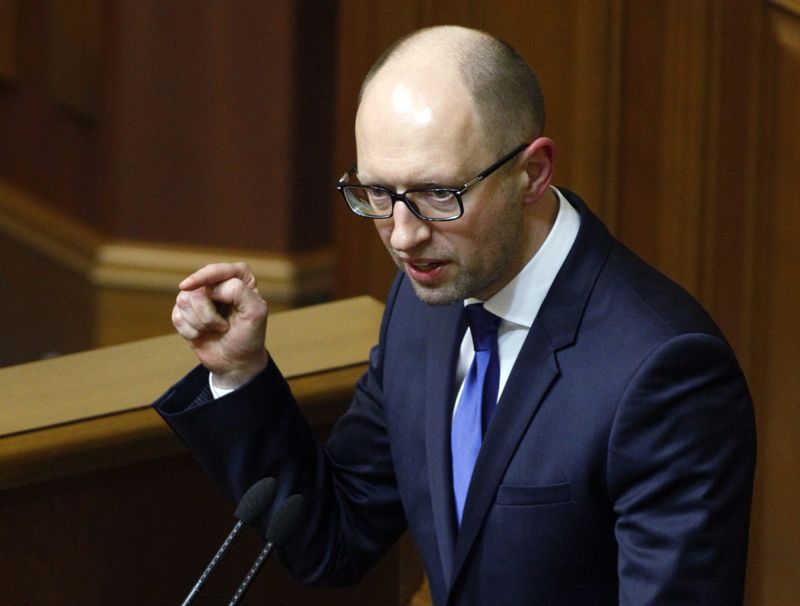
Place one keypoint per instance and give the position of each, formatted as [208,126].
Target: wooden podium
[101,504]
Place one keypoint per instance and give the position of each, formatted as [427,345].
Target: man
[597,447]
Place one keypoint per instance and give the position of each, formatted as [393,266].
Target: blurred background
[141,139]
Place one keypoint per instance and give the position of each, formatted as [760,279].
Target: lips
[424,271]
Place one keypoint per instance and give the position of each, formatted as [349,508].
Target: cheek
[468,233]
[384,228]
[488,231]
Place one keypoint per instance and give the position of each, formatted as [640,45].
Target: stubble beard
[444,295]
[496,267]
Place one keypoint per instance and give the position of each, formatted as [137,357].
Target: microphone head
[256,501]
[286,520]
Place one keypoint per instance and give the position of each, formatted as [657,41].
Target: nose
[408,230]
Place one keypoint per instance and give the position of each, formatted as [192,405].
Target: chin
[437,296]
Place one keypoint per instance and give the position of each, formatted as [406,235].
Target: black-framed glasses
[427,203]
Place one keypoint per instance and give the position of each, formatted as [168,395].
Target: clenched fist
[220,312]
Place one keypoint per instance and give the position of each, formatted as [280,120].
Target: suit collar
[562,310]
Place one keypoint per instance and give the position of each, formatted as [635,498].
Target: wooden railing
[102,504]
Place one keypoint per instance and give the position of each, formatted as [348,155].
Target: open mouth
[425,266]
[425,272]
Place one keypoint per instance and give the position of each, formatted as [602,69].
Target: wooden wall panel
[193,129]
[685,152]
[198,135]
[53,317]
[667,118]
[208,118]
[8,40]
[69,287]
[75,46]
[775,338]
[43,148]
[142,534]
[732,202]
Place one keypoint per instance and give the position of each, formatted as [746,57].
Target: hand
[231,347]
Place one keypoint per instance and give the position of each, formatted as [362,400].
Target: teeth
[425,265]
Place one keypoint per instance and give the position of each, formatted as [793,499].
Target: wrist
[232,379]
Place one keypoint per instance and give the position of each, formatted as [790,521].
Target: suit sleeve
[354,510]
[680,471]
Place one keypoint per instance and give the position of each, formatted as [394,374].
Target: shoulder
[650,296]
[621,279]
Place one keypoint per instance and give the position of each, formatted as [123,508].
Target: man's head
[505,90]
[437,109]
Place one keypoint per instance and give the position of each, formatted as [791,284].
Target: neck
[540,218]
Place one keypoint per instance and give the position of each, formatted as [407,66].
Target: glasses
[427,203]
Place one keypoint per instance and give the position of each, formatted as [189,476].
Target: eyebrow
[423,184]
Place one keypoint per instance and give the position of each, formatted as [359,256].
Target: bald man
[588,440]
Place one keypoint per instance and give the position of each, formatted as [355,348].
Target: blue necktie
[477,402]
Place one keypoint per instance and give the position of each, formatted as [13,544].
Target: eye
[436,198]
[379,198]
[441,195]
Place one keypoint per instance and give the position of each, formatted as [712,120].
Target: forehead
[418,125]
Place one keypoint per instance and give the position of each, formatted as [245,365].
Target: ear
[538,166]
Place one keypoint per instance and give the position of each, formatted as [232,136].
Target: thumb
[233,296]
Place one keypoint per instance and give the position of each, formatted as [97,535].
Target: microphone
[252,506]
[283,525]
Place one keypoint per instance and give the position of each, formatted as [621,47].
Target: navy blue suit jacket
[617,468]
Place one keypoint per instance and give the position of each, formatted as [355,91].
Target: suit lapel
[446,327]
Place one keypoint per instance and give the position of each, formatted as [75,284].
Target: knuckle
[185,330]
[246,272]
[197,296]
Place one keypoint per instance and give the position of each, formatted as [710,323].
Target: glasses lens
[377,203]
[435,204]
[368,201]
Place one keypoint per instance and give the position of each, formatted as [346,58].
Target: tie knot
[483,326]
